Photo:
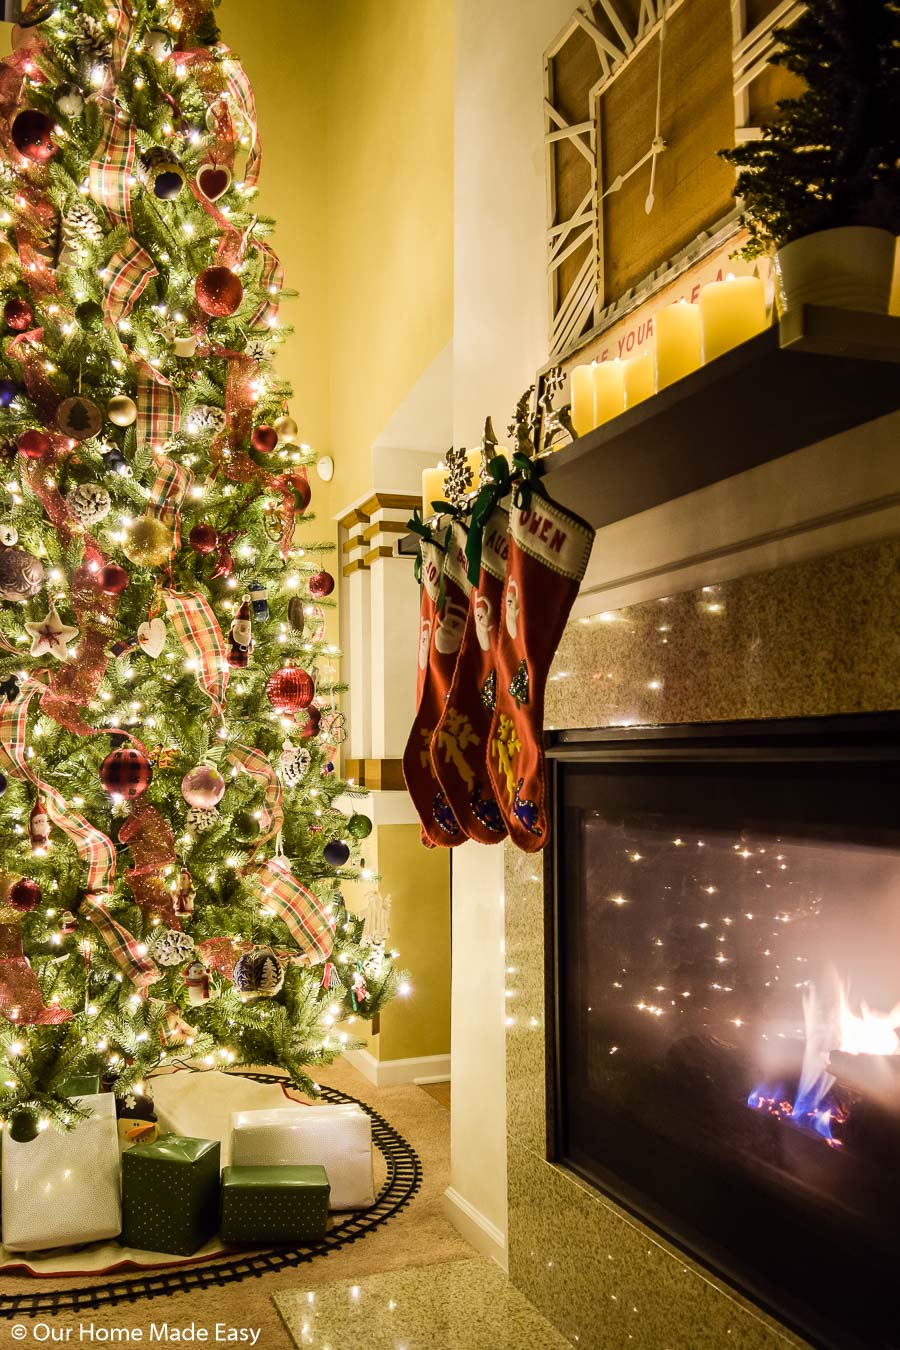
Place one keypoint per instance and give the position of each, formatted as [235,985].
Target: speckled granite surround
[812,639]
[466,1305]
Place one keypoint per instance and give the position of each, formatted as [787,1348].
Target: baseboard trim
[478,1230]
[391,1072]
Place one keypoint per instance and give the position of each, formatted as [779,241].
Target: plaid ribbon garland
[112,168]
[306,918]
[257,765]
[272,278]
[168,492]
[93,847]
[159,410]
[198,631]
[125,278]
[124,948]
[121,32]
[241,91]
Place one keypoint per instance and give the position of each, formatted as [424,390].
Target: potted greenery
[821,187]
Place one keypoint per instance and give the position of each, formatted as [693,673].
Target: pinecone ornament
[89,503]
[173,948]
[293,762]
[81,230]
[93,39]
[201,818]
[205,419]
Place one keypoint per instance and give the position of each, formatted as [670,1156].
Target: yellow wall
[416,880]
[390,212]
[355,103]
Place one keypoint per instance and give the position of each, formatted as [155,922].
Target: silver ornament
[21,574]
[9,535]
[293,762]
[89,503]
[200,819]
[173,948]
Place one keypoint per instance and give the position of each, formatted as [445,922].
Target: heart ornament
[151,636]
[214,180]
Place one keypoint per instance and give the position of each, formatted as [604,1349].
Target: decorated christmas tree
[170,848]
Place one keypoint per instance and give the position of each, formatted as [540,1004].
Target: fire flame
[868,1032]
[828,1029]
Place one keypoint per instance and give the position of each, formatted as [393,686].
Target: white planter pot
[848,268]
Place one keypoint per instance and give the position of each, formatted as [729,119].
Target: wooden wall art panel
[639,97]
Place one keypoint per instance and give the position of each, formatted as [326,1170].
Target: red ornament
[34,444]
[24,895]
[31,135]
[311,726]
[126,772]
[203,538]
[219,292]
[18,314]
[290,689]
[264,439]
[321,584]
[112,579]
[299,485]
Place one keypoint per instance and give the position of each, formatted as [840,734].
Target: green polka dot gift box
[170,1194]
[280,1203]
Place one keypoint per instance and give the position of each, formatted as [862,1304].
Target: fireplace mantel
[817,373]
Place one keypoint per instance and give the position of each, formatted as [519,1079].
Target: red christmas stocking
[548,553]
[460,744]
[440,637]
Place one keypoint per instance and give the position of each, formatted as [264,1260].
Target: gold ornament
[148,543]
[121,410]
[287,429]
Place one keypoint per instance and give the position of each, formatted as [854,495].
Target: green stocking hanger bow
[490,494]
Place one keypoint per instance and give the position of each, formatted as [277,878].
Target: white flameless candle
[609,390]
[582,397]
[731,312]
[432,488]
[638,379]
[677,330]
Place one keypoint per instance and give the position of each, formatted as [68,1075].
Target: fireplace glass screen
[728,1005]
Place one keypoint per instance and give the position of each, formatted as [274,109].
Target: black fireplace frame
[860,737]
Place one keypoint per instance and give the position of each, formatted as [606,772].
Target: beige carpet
[419,1235]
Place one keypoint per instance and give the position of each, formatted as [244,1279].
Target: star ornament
[51,635]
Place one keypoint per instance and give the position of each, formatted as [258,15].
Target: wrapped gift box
[274,1204]
[170,1194]
[82,1085]
[62,1189]
[339,1138]
[200,1105]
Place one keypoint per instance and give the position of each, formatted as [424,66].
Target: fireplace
[727,1001]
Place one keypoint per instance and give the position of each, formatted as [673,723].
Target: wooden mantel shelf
[815,374]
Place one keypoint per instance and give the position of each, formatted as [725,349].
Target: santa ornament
[183,892]
[240,642]
[39,830]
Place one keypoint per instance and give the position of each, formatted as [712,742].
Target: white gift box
[62,1189]
[337,1137]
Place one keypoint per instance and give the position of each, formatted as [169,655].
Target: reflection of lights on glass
[618,900]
